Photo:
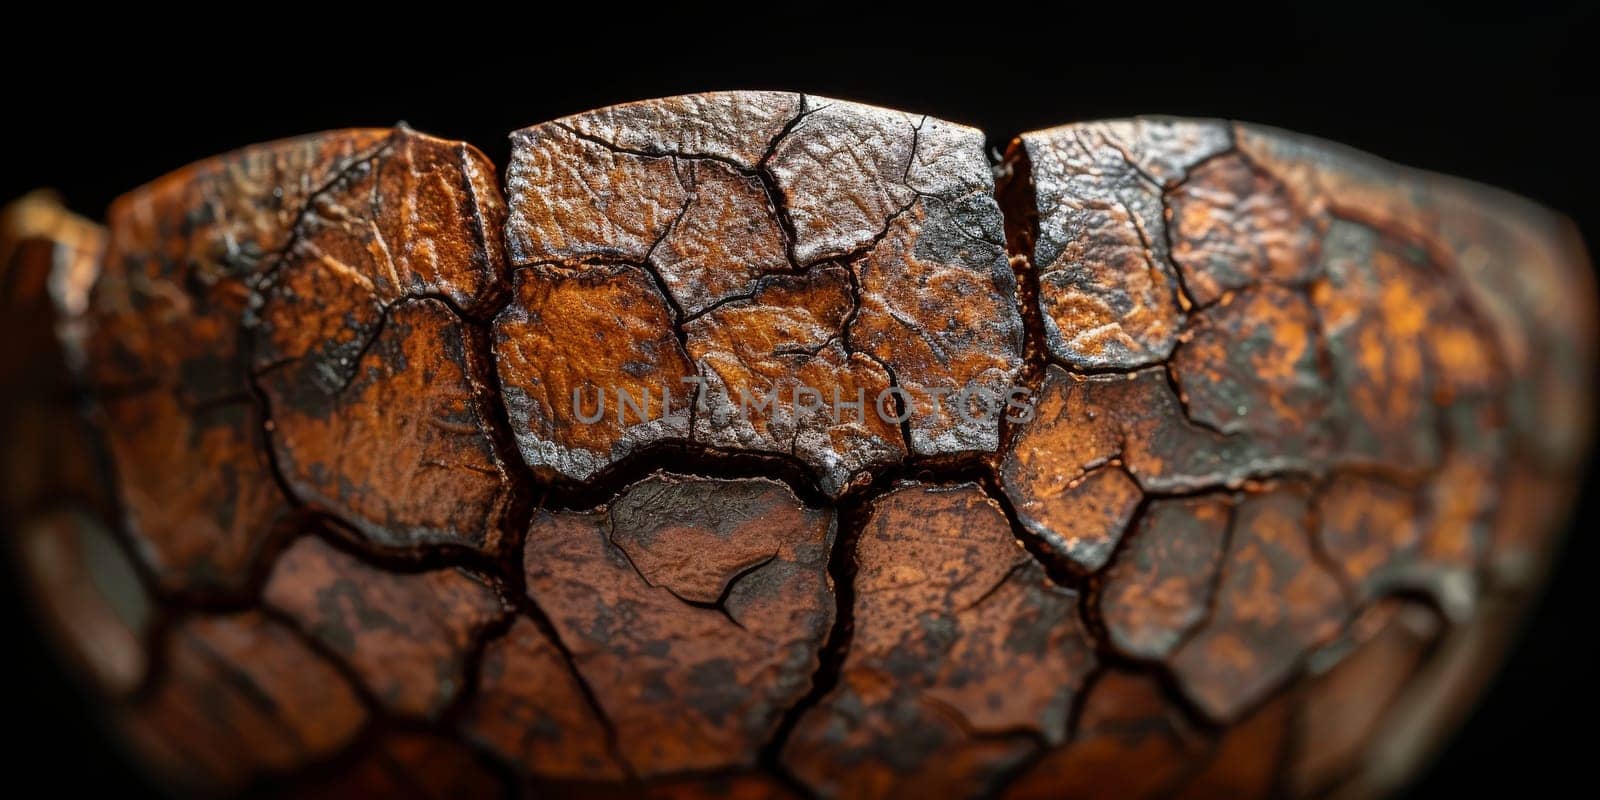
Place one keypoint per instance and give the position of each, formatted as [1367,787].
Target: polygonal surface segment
[312,291]
[755,271]
[694,608]
[959,639]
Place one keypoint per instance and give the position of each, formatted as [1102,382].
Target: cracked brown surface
[1272,604]
[964,656]
[365,310]
[1109,295]
[694,608]
[886,222]
[1163,584]
[407,636]
[301,485]
[525,711]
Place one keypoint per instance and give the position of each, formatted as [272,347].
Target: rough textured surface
[407,636]
[165,350]
[1235,226]
[963,659]
[694,608]
[205,515]
[1130,742]
[528,711]
[338,471]
[1109,296]
[378,401]
[1250,366]
[1163,585]
[745,245]
[280,270]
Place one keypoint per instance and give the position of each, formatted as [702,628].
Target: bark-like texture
[740,245]
[685,466]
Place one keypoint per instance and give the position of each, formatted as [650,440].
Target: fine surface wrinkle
[729,223]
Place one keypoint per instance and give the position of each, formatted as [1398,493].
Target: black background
[1506,100]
